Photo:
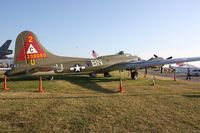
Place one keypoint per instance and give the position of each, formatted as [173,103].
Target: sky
[76,27]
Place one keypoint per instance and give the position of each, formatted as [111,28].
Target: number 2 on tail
[30,39]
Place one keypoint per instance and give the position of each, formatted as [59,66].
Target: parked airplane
[4,50]
[6,64]
[183,69]
[31,58]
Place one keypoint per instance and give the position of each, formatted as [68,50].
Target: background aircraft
[5,62]
[183,69]
[31,58]
[4,50]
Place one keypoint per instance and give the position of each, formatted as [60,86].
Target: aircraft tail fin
[28,50]
[6,45]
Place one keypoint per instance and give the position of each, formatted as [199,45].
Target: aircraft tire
[50,78]
[107,74]
[93,75]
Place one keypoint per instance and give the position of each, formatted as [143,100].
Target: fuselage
[72,66]
[97,65]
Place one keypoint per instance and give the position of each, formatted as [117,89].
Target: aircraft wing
[144,64]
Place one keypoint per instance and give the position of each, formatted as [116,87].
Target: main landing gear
[94,75]
[134,74]
[107,74]
[50,78]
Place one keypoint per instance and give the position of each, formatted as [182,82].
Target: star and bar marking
[77,68]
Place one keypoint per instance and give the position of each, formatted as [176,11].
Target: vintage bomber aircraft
[31,58]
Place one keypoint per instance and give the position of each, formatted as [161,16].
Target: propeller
[156,57]
[169,57]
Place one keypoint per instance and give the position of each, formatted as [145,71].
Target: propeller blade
[155,55]
[169,57]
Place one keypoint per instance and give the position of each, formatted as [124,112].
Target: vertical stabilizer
[28,50]
[6,45]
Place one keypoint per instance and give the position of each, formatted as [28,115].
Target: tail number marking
[97,62]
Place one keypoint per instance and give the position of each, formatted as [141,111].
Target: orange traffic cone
[121,88]
[174,75]
[5,83]
[40,85]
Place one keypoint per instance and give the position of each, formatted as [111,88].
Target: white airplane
[182,68]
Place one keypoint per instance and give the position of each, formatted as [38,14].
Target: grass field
[82,104]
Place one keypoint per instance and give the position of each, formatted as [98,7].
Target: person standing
[188,74]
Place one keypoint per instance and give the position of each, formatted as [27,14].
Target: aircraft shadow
[90,83]
[192,95]
[82,81]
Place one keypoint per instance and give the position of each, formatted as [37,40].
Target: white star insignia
[77,68]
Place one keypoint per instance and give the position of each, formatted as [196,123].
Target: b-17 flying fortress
[32,59]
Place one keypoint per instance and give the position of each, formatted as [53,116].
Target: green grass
[82,104]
